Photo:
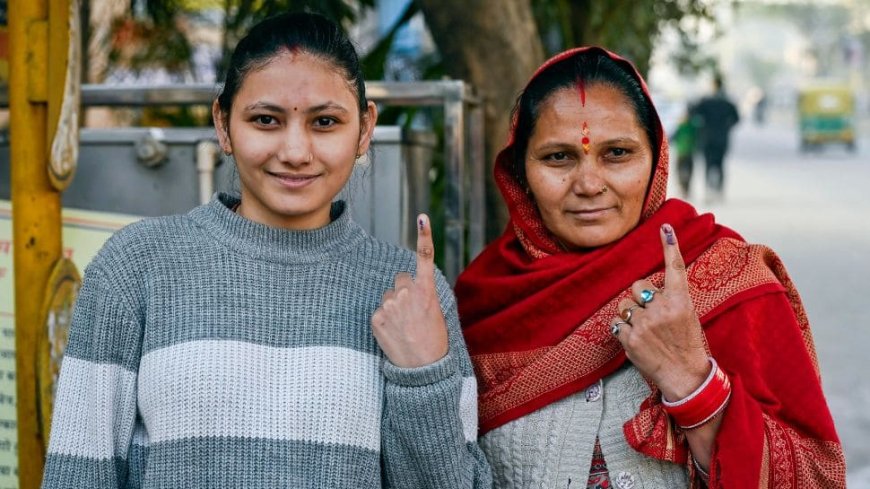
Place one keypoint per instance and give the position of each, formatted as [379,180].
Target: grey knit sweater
[210,351]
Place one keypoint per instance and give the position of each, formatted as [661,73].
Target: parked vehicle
[827,115]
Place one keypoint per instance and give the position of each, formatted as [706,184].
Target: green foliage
[628,27]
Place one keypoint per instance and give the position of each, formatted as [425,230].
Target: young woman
[620,339]
[265,340]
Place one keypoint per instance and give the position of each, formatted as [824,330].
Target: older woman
[621,339]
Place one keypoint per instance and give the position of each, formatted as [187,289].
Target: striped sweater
[207,351]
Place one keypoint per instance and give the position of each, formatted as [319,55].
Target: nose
[587,179]
[294,148]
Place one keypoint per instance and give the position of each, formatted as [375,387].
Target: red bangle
[701,406]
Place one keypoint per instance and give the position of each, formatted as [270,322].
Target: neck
[313,220]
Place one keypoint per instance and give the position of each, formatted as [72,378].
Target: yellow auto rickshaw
[827,115]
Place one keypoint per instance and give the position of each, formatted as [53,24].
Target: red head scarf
[536,317]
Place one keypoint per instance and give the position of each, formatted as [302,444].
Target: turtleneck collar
[277,244]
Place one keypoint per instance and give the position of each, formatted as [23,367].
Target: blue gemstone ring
[647,295]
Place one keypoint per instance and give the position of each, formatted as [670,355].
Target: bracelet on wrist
[705,403]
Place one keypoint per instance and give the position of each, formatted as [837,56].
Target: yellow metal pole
[34,60]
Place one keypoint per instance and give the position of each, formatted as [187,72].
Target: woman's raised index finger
[425,251]
[675,267]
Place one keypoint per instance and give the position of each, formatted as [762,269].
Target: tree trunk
[496,47]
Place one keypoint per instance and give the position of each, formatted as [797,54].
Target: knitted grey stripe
[91,339]
[136,463]
[429,448]
[237,463]
[65,472]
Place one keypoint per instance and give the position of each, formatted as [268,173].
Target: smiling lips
[589,214]
[293,181]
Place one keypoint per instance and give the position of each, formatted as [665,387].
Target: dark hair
[293,32]
[592,67]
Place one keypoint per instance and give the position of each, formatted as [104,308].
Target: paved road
[813,210]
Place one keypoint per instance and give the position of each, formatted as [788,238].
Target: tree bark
[496,47]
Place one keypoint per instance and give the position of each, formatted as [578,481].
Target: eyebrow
[325,107]
[571,144]
[621,141]
[281,110]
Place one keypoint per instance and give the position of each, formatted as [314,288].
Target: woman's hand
[661,333]
[409,325]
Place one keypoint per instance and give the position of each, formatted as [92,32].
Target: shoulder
[144,240]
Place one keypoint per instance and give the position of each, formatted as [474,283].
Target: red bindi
[585,139]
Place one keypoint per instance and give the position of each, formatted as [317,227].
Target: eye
[557,156]
[265,120]
[618,153]
[324,122]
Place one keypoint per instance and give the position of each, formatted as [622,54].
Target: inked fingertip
[670,238]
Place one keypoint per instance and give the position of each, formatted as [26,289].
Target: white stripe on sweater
[468,408]
[94,410]
[275,393]
[238,389]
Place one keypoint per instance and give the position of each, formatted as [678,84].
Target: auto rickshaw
[827,115]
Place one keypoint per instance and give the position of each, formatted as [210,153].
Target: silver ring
[647,295]
[626,314]
[614,328]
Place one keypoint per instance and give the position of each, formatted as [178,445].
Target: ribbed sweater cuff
[420,376]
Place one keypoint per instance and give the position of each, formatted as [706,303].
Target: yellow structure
[43,103]
[827,113]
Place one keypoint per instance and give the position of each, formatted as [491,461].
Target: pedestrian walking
[716,116]
[683,141]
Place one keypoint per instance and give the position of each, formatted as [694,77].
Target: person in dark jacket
[716,115]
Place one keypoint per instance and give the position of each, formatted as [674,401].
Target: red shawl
[536,319]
